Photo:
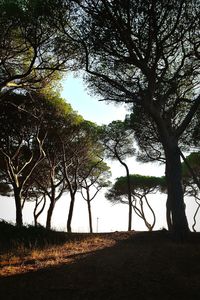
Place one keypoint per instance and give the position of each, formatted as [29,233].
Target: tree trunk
[89,211]
[194,217]
[50,213]
[129,200]
[51,207]
[153,214]
[175,201]
[37,214]
[17,195]
[70,214]
[169,214]
[128,189]
[176,217]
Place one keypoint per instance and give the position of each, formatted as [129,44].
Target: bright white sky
[105,216]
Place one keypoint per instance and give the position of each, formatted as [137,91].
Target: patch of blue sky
[88,106]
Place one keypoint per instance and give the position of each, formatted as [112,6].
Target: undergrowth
[27,248]
[28,237]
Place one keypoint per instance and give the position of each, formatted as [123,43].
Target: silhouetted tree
[21,144]
[191,180]
[117,140]
[77,149]
[146,53]
[94,177]
[141,186]
[29,44]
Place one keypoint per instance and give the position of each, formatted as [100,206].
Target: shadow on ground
[145,266]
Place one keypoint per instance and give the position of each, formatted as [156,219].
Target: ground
[134,265]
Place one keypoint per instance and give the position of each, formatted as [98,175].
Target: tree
[50,182]
[141,186]
[94,177]
[21,144]
[31,124]
[78,148]
[191,180]
[62,120]
[117,140]
[146,54]
[58,119]
[33,193]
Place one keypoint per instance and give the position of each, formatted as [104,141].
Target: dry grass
[21,259]
[114,266]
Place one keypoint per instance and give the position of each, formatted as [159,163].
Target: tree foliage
[146,53]
[94,177]
[117,140]
[191,181]
[141,187]
[29,44]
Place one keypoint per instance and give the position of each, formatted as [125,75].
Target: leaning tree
[146,54]
[117,140]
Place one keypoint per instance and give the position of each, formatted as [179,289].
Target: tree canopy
[140,187]
[146,54]
[29,45]
[143,53]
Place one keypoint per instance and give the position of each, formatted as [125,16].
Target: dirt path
[140,267]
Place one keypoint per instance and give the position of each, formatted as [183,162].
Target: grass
[21,259]
[28,236]
[31,248]
[40,264]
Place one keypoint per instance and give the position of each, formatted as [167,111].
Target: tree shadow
[145,266]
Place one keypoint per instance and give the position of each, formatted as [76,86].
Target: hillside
[134,265]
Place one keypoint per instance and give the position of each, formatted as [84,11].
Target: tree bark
[176,217]
[89,212]
[70,214]
[175,201]
[51,208]
[129,191]
[168,214]
[194,217]
[17,195]
[50,213]
[129,200]
[37,214]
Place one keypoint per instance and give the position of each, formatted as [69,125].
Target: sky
[106,217]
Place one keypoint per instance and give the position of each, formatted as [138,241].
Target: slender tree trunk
[129,200]
[147,224]
[50,213]
[175,201]
[90,216]
[194,217]
[35,220]
[18,205]
[153,214]
[70,214]
[89,211]
[168,214]
[37,214]
[129,191]
[34,213]
[51,208]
